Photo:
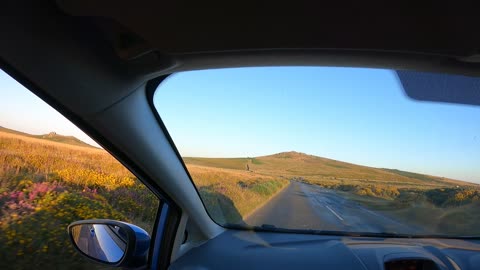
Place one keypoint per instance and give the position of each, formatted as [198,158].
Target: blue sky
[355,115]
[360,116]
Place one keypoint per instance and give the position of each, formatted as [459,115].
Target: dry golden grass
[327,172]
[51,143]
[228,194]
[46,185]
[320,169]
[24,156]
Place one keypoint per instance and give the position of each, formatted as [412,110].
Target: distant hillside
[300,165]
[52,136]
[225,163]
[424,177]
[7,130]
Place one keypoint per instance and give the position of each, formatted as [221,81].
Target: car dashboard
[236,249]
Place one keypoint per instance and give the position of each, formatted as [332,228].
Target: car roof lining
[185,37]
[90,40]
[178,28]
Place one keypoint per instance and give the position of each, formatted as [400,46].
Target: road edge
[244,218]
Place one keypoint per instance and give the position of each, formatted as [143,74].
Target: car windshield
[329,149]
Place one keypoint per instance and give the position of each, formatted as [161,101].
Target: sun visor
[436,87]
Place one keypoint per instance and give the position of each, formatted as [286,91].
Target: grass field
[46,185]
[49,181]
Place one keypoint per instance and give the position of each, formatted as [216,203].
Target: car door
[53,174]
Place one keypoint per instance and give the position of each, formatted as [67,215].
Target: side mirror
[110,242]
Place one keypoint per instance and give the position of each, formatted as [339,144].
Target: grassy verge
[231,195]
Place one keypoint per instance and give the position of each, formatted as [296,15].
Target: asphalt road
[88,243]
[303,206]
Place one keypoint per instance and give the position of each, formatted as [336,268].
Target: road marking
[317,201]
[337,215]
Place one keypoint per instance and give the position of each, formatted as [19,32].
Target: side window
[52,174]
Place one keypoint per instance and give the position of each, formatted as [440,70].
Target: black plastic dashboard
[264,250]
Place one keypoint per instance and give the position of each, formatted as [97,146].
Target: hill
[52,136]
[313,168]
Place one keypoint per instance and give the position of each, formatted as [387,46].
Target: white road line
[337,215]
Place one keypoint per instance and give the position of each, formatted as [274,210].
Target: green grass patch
[224,163]
[266,188]
[256,161]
